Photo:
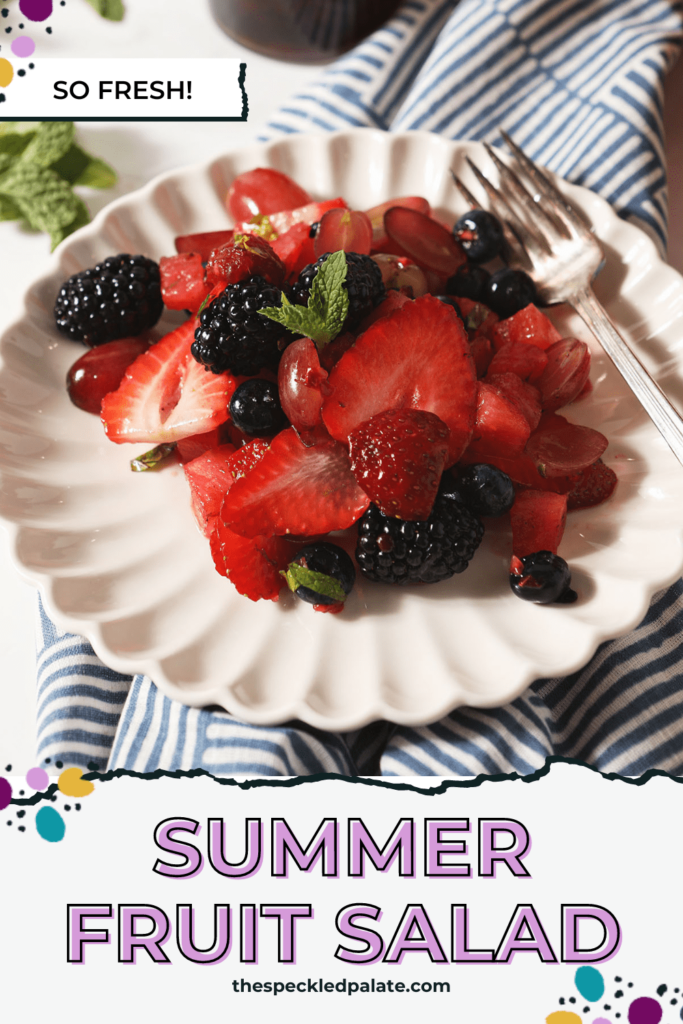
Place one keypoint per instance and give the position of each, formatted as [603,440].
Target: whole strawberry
[245,256]
[398,457]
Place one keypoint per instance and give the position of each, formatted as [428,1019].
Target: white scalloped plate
[118,557]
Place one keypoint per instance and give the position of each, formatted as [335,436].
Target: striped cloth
[578,83]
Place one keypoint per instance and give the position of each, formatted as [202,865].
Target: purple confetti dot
[36,10]
[23,46]
[645,1011]
[5,793]
[37,778]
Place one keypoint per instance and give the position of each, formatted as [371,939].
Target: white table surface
[164,28]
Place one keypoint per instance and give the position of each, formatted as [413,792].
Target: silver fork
[561,255]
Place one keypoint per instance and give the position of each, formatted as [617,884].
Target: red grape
[101,370]
[426,241]
[349,230]
[300,379]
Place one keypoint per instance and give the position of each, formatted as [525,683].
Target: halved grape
[101,370]
[426,241]
[349,230]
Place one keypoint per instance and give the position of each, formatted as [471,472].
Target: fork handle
[658,407]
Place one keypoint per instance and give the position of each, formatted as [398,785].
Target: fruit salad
[367,374]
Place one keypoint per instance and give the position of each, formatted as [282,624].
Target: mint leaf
[44,199]
[153,459]
[329,299]
[50,142]
[113,10]
[327,586]
[8,209]
[13,144]
[328,304]
[79,168]
[80,220]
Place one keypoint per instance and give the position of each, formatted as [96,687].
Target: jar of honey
[304,31]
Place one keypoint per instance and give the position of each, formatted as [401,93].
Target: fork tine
[513,242]
[548,189]
[528,203]
[535,245]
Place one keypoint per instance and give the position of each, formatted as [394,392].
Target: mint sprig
[328,303]
[113,10]
[39,165]
[154,458]
[319,582]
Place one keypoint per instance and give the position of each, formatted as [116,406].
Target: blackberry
[330,560]
[255,408]
[393,550]
[543,578]
[119,298]
[363,283]
[233,334]
[480,234]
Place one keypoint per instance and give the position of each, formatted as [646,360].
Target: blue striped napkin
[578,84]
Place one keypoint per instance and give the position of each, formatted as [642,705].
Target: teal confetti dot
[50,824]
[590,983]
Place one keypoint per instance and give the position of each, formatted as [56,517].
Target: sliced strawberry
[593,486]
[417,358]
[295,249]
[245,256]
[333,352]
[529,327]
[246,457]
[300,382]
[210,480]
[431,245]
[166,395]
[380,239]
[398,457]
[296,489]
[190,448]
[525,396]
[522,471]
[182,281]
[569,363]
[538,519]
[527,361]
[204,242]
[349,230]
[482,353]
[263,190]
[560,448]
[500,428]
[394,300]
[252,564]
[477,318]
[309,214]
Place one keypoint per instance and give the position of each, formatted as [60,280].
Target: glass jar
[305,31]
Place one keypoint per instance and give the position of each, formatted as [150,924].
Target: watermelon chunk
[182,281]
[538,519]
[527,361]
[500,427]
[529,326]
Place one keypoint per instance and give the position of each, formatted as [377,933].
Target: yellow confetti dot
[563,1017]
[6,72]
[72,783]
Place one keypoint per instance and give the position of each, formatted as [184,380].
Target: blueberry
[329,559]
[508,291]
[469,282]
[314,229]
[543,578]
[486,490]
[480,235]
[450,301]
[255,408]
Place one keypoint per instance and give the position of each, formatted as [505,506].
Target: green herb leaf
[80,220]
[327,586]
[79,168]
[113,10]
[13,144]
[50,142]
[153,459]
[45,199]
[328,304]
[8,209]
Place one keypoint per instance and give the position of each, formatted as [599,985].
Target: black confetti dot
[617,979]
[618,994]
[661,989]
[561,1000]
[630,984]
[586,1009]
[8,29]
[21,792]
[617,1015]
[677,990]
[21,25]
[2,97]
[5,12]
[571,999]
[8,767]
[607,1006]
[22,828]
[77,806]
[21,814]
[9,822]
[21,72]
[673,1002]
[54,798]
[93,766]
[31,66]
[47,760]
[62,3]
[49,31]
[67,807]
[59,764]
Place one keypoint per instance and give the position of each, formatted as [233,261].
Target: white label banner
[133,88]
[506,902]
